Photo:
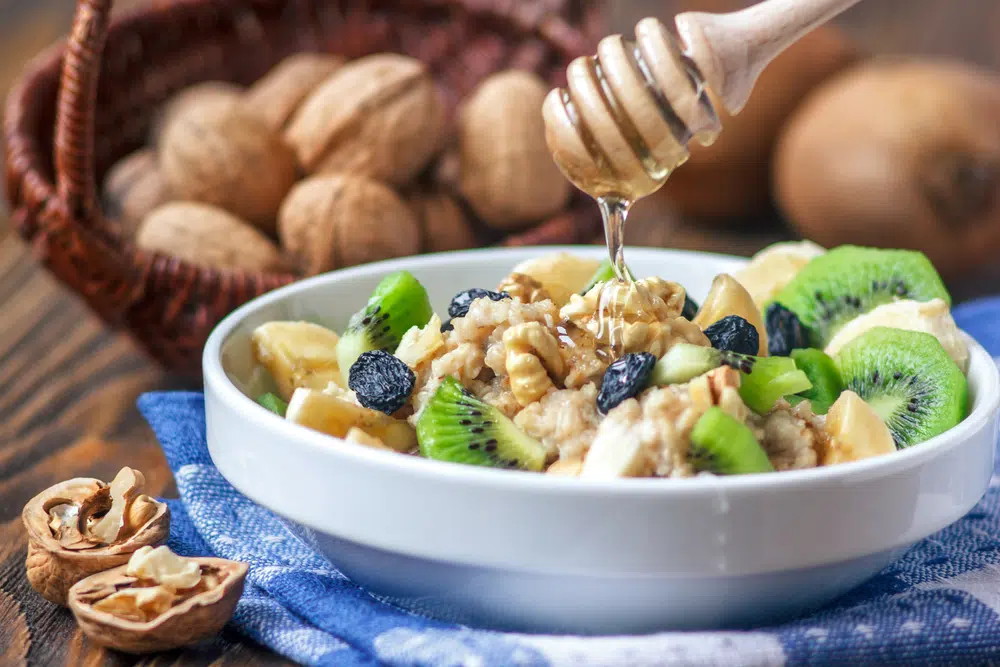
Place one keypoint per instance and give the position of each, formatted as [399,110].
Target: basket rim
[31,193]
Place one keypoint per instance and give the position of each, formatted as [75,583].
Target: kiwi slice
[722,445]
[824,376]
[763,380]
[456,426]
[908,379]
[273,403]
[849,281]
[397,304]
[605,273]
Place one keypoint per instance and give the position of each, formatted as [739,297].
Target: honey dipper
[627,115]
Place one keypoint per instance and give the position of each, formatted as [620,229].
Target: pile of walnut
[94,548]
[324,164]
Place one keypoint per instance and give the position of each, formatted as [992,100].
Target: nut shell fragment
[191,616]
[52,567]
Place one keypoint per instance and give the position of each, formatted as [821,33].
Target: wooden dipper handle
[731,50]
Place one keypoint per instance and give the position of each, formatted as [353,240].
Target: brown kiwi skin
[731,178]
[900,153]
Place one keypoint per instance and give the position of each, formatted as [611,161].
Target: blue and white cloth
[938,605]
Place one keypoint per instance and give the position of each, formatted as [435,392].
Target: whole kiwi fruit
[731,178]
[900,153]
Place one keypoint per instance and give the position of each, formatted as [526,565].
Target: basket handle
[77,252]
[74,131]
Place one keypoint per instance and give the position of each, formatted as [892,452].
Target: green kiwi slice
[849,281]
[763,380]
[824,376]
[605,272]
[273,403]
[909,379]
[398,303]
[456,426]
[722,445]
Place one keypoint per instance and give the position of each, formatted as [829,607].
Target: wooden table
[68,386]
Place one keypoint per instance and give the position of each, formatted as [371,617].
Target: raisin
[447,326]
[690,308]
[624,379]
[381,381]
[735,334]
[459,306]
[784,331]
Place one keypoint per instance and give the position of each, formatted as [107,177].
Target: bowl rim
[981,366]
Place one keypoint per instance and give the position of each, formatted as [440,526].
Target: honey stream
[617,131]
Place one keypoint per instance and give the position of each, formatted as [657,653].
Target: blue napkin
[938,605]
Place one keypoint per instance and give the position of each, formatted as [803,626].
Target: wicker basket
[85,104]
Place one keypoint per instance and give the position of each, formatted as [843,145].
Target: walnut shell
[443,225]
[379,116]
[208,97]
[275,98]
[329,222]
[52,568]
[133,188]
[506,172]
[194,619]
[231,160]
[208,236]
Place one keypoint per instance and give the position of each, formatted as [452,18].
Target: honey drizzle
[615,193]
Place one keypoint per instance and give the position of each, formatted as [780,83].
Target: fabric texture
[937,605]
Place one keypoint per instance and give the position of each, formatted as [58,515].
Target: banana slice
[618,449]
[931,317]
[728,297]
[334,416]
[561,274]
[855,432]
[297,354]
[774,267]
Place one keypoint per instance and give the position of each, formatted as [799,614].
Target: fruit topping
[336,416]
[855,432]
[784,331]
[381,381]
[624,379]
[728,297]
[722,445]
[397,304]
[735,334]
[850,281]
[273,404]
[764,380]
[456,426]
[459,306]
[908,379]
[824,376]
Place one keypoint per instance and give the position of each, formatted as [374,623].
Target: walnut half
[158,601]
[83,526]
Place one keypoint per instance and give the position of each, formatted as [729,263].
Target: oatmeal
[630,379]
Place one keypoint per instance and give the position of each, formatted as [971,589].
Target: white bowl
[530,552]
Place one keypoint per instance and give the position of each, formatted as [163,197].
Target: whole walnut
[208,97]
[208,236]
[505,171]
[134,187]
[337,220]
[277,96]
[443,225]
[379,116]
[229,159]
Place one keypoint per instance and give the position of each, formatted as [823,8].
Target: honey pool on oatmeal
[804,358]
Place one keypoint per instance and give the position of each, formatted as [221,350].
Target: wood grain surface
[68,386]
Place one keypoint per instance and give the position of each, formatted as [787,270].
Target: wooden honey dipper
[627,115]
